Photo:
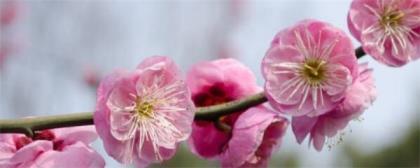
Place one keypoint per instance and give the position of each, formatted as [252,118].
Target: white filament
[155,128]
[399,35]
[310,49]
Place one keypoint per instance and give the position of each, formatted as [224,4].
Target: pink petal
[254,135]
[271,142]
[160,63]
[329,126]
[70,135]
[318,140]
[360,17]
[31,151]
[139,163]
[202,75]
[302,126]
[113,147]
[206,140]
[249,141]
[233,70]
[340,80]
[360,95]
[6,151]
[122,95]
[148,154]
[228,71]
[157,67]
[123,125]
[76,155]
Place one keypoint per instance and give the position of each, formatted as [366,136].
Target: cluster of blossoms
[311,74]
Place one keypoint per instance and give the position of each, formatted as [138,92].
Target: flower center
[313,71]
[391,18]
[144,108]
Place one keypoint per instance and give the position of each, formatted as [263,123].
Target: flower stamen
[313,70]
[144,108]
[391,18]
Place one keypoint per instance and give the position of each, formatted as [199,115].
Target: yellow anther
[391,18]
[144,108]
[314,71]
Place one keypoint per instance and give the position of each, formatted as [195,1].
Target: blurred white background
[60,41]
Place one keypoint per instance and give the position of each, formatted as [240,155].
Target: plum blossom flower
[389,30]
[255,132]
[358,97]
[143,115]
[308,68]
[255,136]
[212,83]
[62,147]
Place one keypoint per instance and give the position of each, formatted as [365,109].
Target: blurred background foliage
[404,153]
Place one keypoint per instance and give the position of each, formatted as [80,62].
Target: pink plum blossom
[358,97]
[255,136]
[251,135]
[212,83]
[143,115]
[63,147]
[308,68]
[389,30]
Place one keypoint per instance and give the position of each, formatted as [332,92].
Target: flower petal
[70,135]
[123,125]
[206,140]
[31,151]
[254,137]
[302,126]
[76,155]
